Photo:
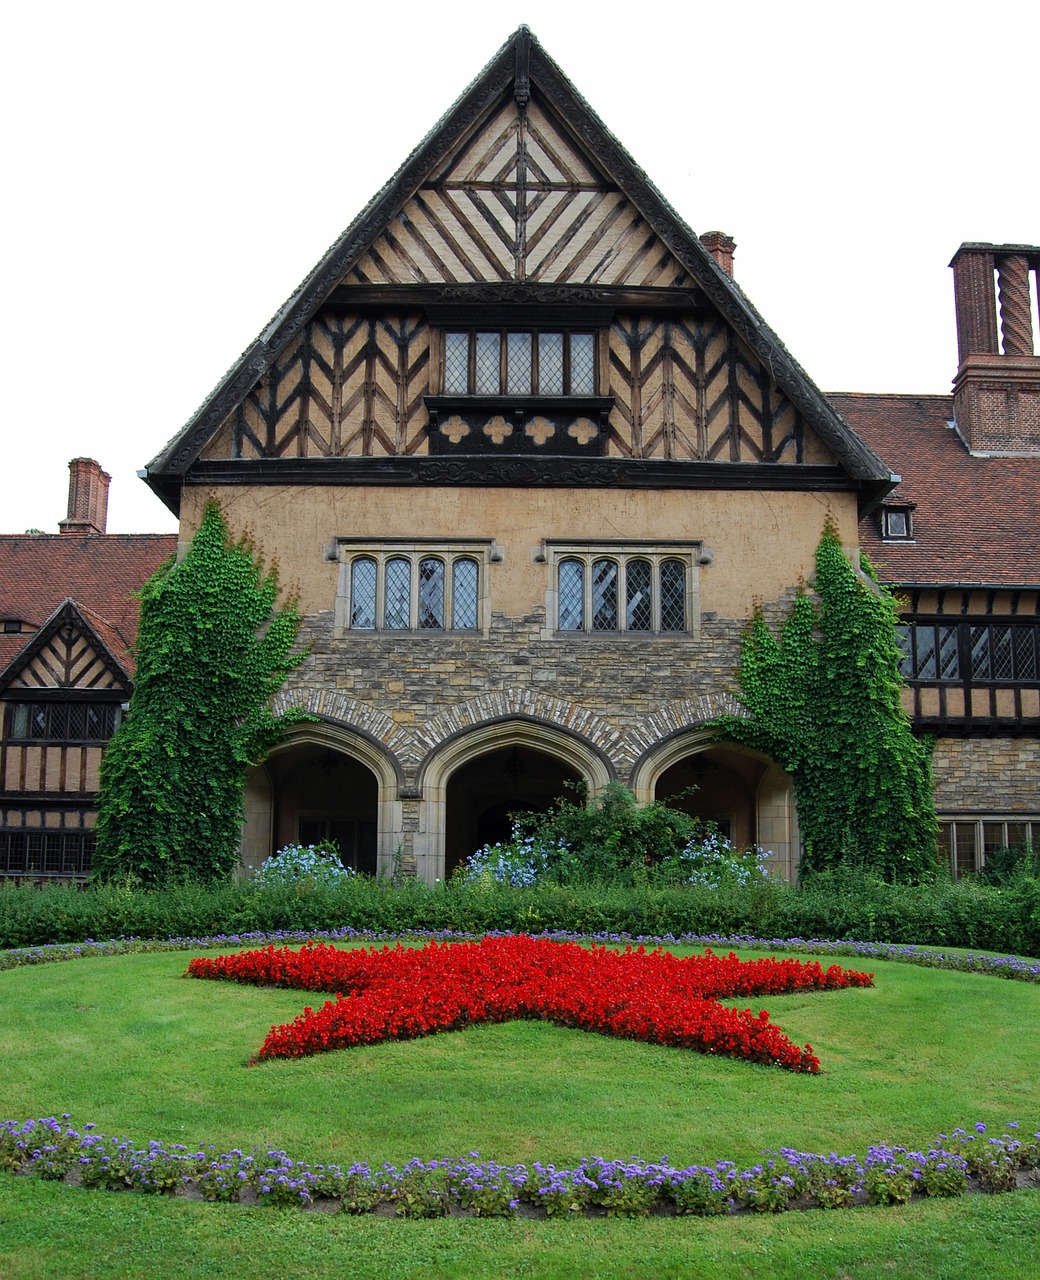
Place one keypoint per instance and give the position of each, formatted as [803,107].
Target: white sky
[172,173]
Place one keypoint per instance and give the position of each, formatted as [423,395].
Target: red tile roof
[99,571]
[977,519]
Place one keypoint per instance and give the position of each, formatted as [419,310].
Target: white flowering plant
[303,867]
[518,862]
[713,861]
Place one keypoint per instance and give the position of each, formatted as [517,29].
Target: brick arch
[334,706]
[500,706]
[470,743]
[775,807]
[675,718]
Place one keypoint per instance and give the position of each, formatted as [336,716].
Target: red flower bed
[656,997]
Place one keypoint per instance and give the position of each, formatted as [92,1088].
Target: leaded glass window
[583,365]
[572,595]
[464,578]
[550,364]
[488,351]
[363,594]
[539,362]
[456,364]
[673,596]
[407,590]
[639,605]
[398,593]
[431,594]
[604,595]
[639,593]
[62,721]
[519,368]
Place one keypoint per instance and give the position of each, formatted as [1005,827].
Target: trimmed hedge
[962,914]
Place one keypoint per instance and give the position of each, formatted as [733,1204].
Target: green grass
[53,1232]
[127,1044]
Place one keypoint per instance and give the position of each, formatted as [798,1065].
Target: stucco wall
[763,542]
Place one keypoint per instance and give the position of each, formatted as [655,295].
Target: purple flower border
[1013,967]
[953,1164]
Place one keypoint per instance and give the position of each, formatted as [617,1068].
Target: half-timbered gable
[518,290]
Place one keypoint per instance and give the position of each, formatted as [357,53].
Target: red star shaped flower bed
[401,993]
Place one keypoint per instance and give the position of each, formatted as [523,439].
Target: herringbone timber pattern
[519,200]
[67,661]
[689,389]
[349,385]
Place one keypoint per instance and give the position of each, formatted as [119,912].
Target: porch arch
[744,790]
[575,757]
[360,791]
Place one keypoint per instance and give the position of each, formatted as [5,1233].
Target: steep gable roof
[976,519]
[74,649]
[575,170]
[100,572]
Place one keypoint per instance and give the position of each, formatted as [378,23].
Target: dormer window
[525,362]
[897,523]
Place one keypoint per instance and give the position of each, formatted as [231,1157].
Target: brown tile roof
[99,571]
[977,519]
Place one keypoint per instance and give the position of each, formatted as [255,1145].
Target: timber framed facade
[531,460]
[527,435]
[68,619]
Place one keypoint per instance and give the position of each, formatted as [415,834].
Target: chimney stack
[88,498]
[996,394]
[721,247]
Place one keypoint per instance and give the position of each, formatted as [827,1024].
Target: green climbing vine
[823,701]
[211,650]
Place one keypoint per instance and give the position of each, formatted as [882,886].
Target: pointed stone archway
[748,795]
[324,782]
[473,782]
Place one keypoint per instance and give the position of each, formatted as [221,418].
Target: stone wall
[987,775]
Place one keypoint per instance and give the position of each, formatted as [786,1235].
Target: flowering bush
[518,862]
[714,861]
[300,867]
[403,993]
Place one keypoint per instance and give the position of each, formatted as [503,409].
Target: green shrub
[835,905]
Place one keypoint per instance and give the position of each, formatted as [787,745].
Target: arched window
[396,609]
[572,595]
[639,601]
[431,594]
[411,588]
[363,594]
[604,595]
[464,594]
[647,591]
[673,596]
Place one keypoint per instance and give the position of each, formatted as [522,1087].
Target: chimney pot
[88,498]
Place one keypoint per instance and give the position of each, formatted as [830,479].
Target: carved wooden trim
[552,472]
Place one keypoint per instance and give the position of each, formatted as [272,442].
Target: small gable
[519,200]
[66,653]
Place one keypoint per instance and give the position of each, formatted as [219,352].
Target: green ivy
[211,651]
[823,702]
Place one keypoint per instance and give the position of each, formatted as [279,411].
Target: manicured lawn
[130,1045]
[53,1232]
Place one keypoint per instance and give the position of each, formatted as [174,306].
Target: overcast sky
[172,173]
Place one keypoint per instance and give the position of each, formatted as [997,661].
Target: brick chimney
[721,247]
[996,394]
[88,498]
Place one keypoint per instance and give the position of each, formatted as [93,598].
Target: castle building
[531,458]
